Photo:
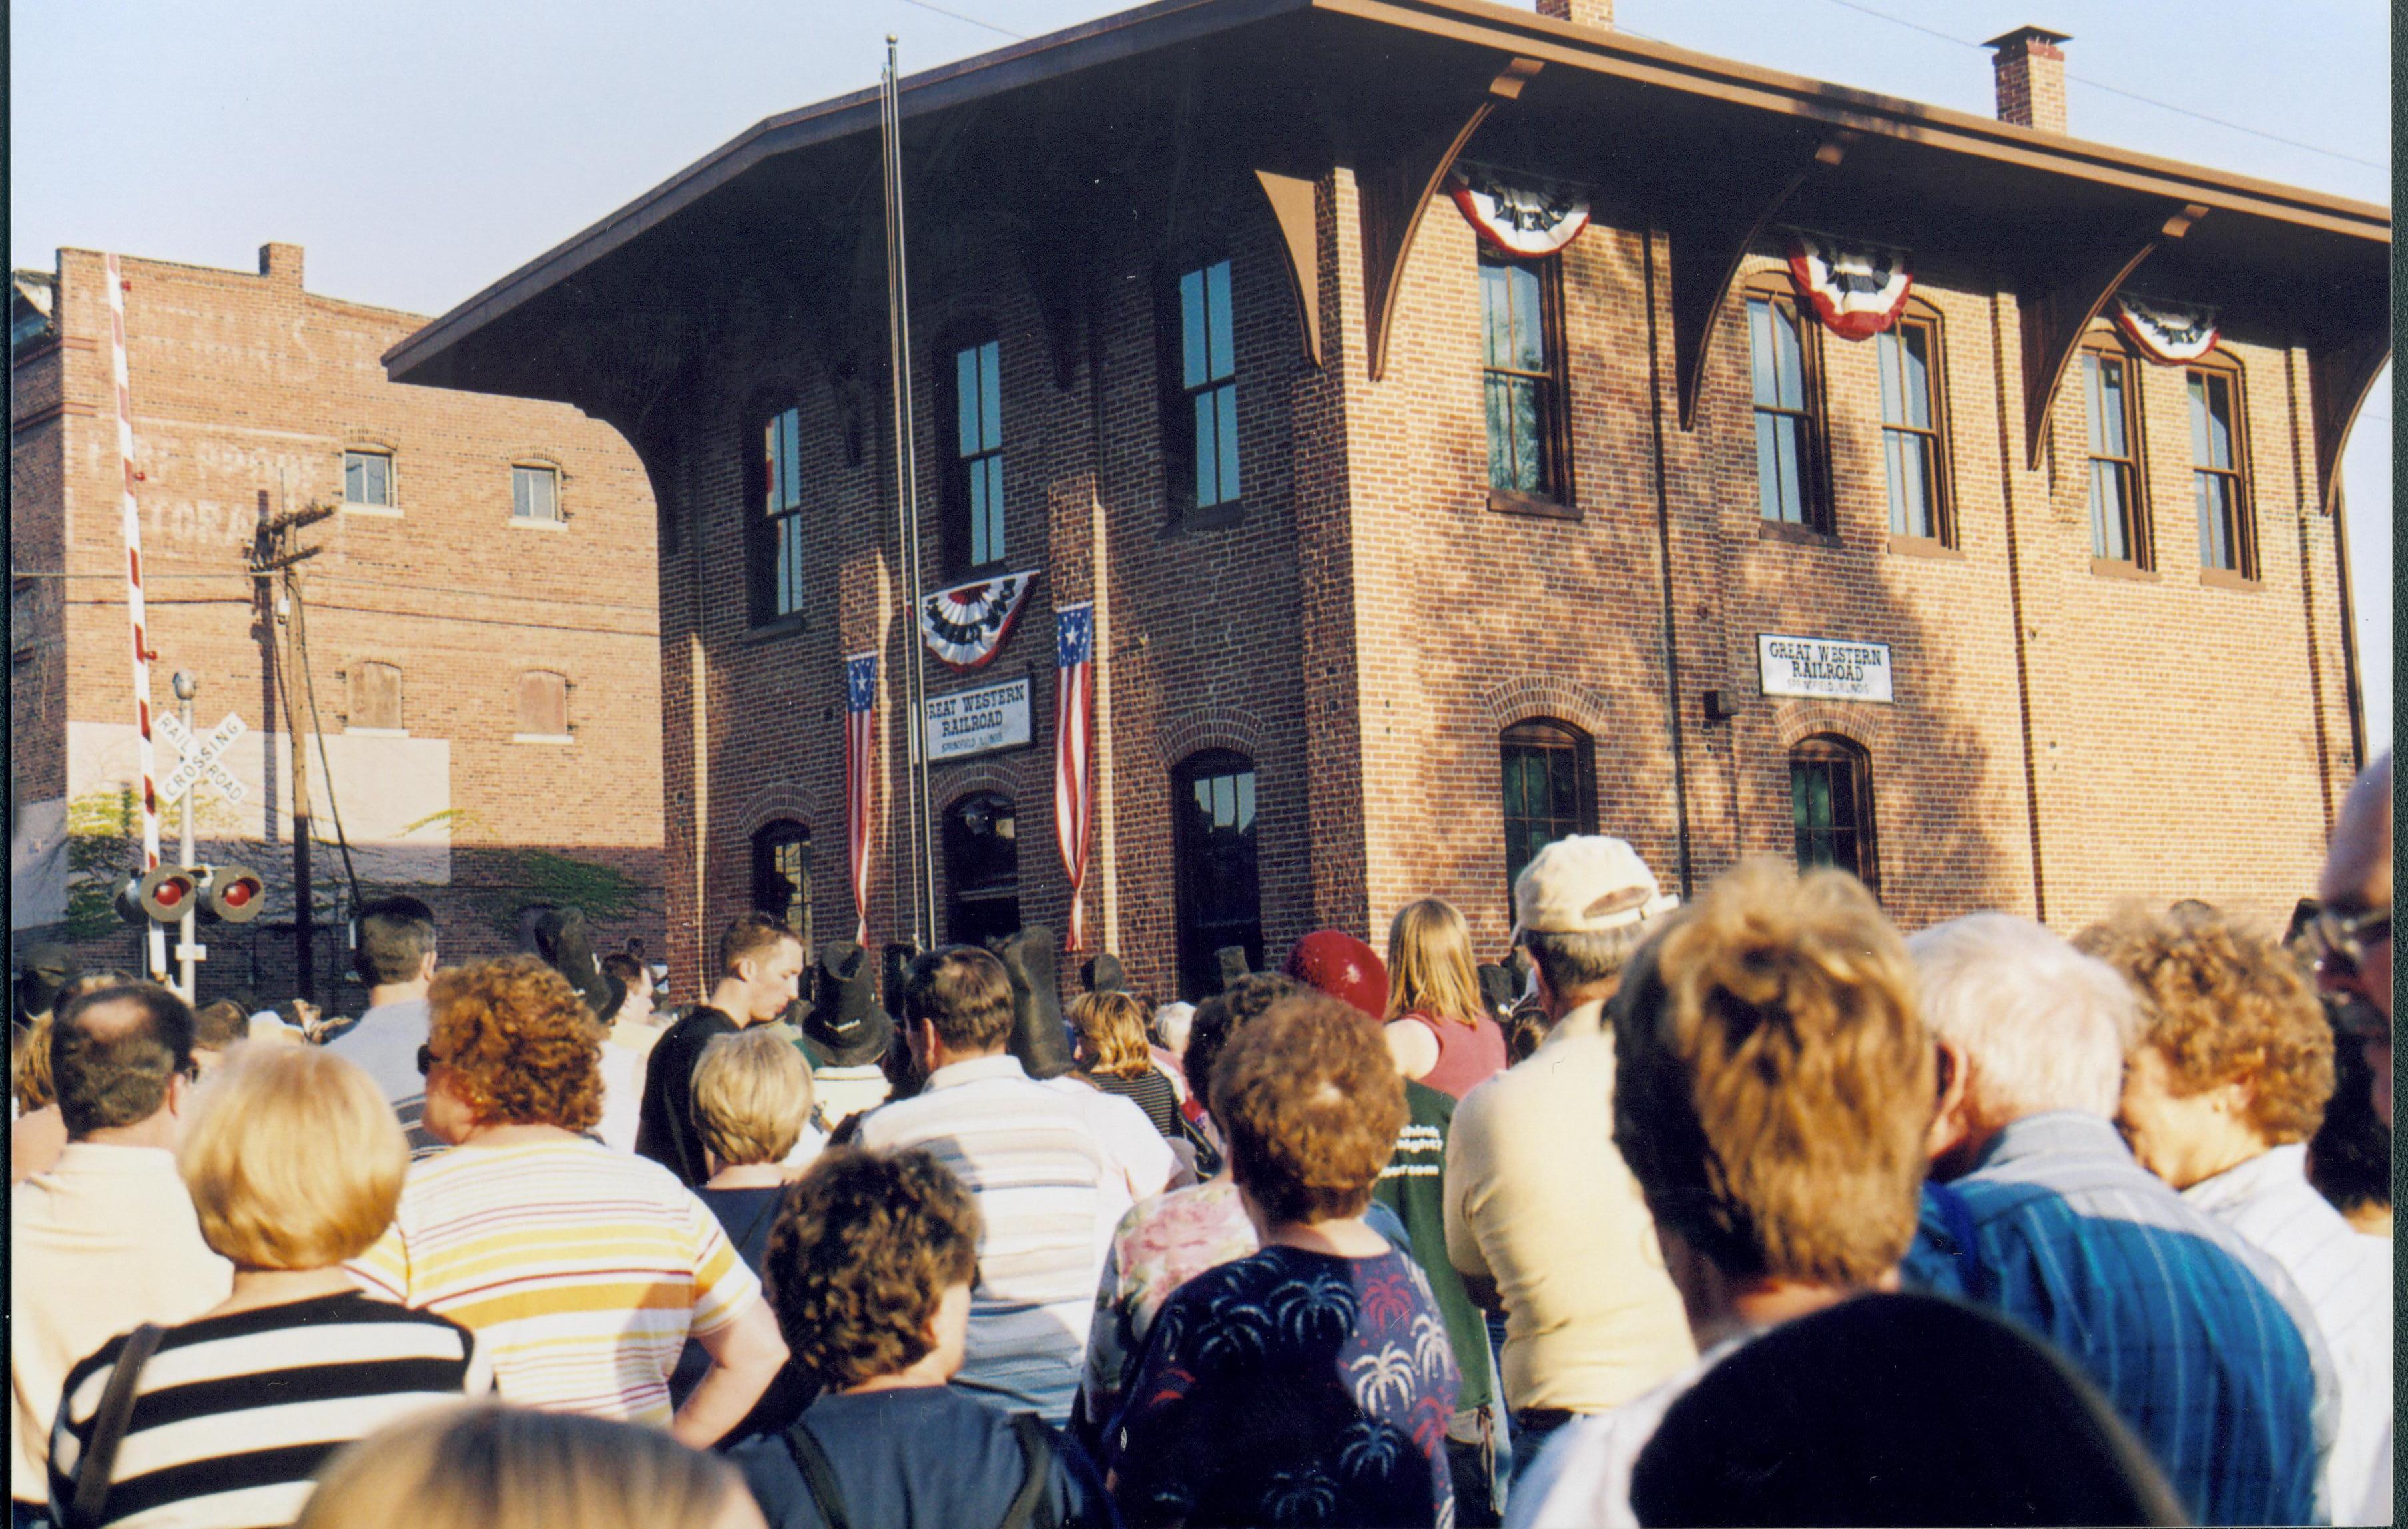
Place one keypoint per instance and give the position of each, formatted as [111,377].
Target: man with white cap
[1544,1219]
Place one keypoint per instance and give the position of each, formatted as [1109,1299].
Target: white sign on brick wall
[1840,671]
[978,722]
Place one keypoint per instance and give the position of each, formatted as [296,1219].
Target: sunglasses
[427,1060]
[2337,942]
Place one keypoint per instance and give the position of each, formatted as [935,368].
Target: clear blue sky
[422,148]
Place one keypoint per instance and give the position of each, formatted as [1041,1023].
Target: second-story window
[777,521]
[535,493]
[2224,540]
[376,699]
[1790,487]
[1913,449]
[544,704]
[1201,435]
[974,477]
[1521,371]
[2114,449]
[367,478]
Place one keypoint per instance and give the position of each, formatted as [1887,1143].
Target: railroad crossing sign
[201,758]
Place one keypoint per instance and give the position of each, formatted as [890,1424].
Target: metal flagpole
[906,507]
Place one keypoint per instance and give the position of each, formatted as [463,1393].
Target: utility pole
[274,552]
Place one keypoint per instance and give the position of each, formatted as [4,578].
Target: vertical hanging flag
[860,701]
[1074,708]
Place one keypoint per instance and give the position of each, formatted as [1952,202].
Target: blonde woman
[295,1162]
[1439,1030]
[752,1108]
[493,1467]
[1113,1055]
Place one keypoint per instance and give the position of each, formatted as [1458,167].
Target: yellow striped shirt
[582,1270]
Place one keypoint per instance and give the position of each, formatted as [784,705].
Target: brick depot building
[479,616]
[1994,605]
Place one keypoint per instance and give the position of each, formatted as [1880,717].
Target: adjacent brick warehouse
[248,393]
[1363,626]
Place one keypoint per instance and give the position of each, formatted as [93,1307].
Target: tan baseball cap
[1584,885]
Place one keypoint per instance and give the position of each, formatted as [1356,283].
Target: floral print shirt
[1292,1387]
[1162,1244]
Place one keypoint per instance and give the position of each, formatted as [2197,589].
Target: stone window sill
[529,523]
[784,626]
[1532,506]
[1801,535]
[2224,579]
[376,732]
[2108,567]
[388,512]
[1924,546]
[543,737]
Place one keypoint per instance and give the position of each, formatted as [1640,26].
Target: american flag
[860,701]
[1074,708]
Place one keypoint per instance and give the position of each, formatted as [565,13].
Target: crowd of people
[1747,1209]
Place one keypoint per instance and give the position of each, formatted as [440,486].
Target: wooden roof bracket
[2340,373]
[1396,190]
[1710,234]
[2058,305]
[1291,203]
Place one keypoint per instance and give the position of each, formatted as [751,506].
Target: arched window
[1792,482]
[1831,806]
[1914,425]
[1521,378]
[2219,467]
[544,704]
[2119,502]
[782,875]
[1219,896]
[376,699]
[981,868]
[1550,789]
[969,398]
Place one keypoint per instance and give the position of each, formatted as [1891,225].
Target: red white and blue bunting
[1857,289]
[2168,334]
[964,625]
[1529,220]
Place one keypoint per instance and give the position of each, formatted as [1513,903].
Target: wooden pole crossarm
[1396,190]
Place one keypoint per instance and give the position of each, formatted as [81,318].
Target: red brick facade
[1366,625]
[247,392]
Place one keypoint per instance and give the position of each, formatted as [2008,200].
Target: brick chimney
[280,262]
[1596,13]
[2032,78]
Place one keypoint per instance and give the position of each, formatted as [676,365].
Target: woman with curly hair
[2227,1082]
[582,1270]
[870,1267]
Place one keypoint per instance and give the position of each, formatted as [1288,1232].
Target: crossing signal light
[163,894]
[233,894]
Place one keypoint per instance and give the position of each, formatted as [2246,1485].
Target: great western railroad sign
[202,758]
[978,722]
[1840,671]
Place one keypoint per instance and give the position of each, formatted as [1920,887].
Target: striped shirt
[2174,1317]
[1035,1165]
[233,1415]
[580,1269]
[2345,1277]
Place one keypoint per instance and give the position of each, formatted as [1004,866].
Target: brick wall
[1368,625]
[247,389]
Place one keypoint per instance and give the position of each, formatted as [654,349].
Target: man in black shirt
[760,975]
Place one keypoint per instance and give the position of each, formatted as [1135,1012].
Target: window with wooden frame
[535,493]
[1831,806]
[376,699]
[1199,390]
[367,478]
[782,875]
[2227,542]
[544,704]
[1914,427]
[774,527]
[2111,401]
[970,404]
[1785,393]
[1550,790]
[1521,378]
[1218,893]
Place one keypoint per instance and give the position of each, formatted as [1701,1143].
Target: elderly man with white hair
[2037,1208]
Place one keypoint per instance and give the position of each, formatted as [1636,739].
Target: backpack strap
[108,1425]
[1037,1448]
[819,1475]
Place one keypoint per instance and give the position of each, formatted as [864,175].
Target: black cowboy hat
[1038,1038]
[561,941]
[1102,973]
[845,1027]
